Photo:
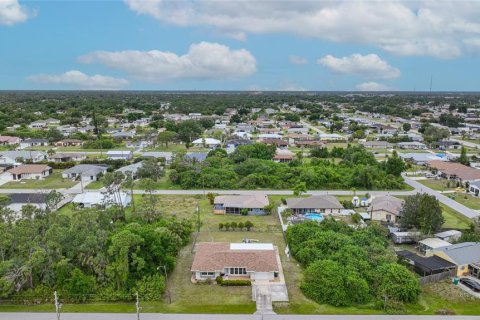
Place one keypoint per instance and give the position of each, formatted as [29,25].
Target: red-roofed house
[253,261]
[8,141]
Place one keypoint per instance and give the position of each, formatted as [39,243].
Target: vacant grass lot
[467,200]
[439,185]
[53,181]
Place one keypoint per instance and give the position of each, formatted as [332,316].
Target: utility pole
[198,218]
[137,306]
[58,306]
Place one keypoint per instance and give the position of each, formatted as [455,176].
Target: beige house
[250,261]
[386,209]
[29,171]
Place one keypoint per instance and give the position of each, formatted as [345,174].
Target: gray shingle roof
[463,253]
[314,202]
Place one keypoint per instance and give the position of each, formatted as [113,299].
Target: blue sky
[239,45]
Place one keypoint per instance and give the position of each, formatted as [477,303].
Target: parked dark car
[471,284]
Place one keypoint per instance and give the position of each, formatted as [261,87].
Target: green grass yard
[467,200]
[439,185]
[53,181]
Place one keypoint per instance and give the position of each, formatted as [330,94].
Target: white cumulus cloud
[11,12]
[372,86]
[368,66]
[425,27]
[203,60]
[298,60]
[80,80]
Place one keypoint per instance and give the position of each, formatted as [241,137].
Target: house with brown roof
[254,204]
[386,209]
[28,171]
[9,141]
[315,204]
[283,155]
[250,261]
[69,143]
[454,171]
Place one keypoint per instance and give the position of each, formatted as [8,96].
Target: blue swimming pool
[314,216]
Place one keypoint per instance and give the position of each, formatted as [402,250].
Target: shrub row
[233,283]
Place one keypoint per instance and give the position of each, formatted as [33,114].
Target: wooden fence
[438,277]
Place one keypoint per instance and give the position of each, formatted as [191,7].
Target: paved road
[443,199]
[308,125]
[418,187]
[160,316]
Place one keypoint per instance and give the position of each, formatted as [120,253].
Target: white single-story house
[18,157]
[412,145]
[103,199]
[252,261]
[33,143]
[332,137]
[207,142]
[87,172]
[119,155]
[132,168]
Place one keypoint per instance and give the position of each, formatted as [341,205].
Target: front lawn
[454,219]
[467,200]
[438,185]
[53,181]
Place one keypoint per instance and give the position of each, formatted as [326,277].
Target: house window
[207,274]
[238,271]
[389,217]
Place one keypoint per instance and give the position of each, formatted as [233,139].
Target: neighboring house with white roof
[119,155]
[17,157]
[101,199]
[207,142]
[254,204]
[132,168]
[33,143]
[412,145]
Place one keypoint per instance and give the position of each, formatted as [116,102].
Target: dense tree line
[346,266]
[250,167]
[92,254]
